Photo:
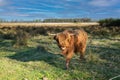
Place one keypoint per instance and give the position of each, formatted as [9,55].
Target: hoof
[66,68]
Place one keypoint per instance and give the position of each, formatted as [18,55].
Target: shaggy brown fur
[71,42]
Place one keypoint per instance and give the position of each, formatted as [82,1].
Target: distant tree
[1,20]
[68,20]
[37,20]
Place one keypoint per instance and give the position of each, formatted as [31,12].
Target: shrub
[7,33]
[21,38]
[109,22]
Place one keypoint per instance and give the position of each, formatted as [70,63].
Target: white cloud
[102,13]
[103,3]
[19,14]
[15,14]
[51,5]
[73,0]
[3,2]
[68,0]
[35,9]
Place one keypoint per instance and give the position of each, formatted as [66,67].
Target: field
[41,59]
[48,24]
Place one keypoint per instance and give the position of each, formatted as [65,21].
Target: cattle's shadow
[7,45]
[39,54]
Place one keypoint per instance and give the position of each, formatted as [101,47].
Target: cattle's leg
[68,58]
[67,63]
[82,53]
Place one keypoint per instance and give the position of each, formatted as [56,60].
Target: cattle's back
[80,39]
[80,35]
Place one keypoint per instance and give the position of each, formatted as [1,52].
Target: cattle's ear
[66,34]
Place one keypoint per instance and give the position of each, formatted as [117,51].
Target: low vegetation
[109,22]
[37,56]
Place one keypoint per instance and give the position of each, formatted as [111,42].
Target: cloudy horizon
[42,9]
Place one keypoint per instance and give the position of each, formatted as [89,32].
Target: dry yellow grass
[48,24]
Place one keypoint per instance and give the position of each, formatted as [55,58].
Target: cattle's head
[63,39]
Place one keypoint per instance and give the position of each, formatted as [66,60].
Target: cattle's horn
[72,34]
[51,34]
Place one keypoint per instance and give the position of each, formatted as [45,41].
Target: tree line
[103,22]
[52,20]
[68,20]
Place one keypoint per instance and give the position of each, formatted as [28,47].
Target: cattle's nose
[62,47]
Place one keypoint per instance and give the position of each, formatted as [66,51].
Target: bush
[7,33]
[109,22]
[21,38]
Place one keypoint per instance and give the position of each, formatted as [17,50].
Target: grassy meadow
[32,54]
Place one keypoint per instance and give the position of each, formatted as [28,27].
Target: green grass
[42,59]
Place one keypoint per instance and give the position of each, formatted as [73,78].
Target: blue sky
[42,9]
